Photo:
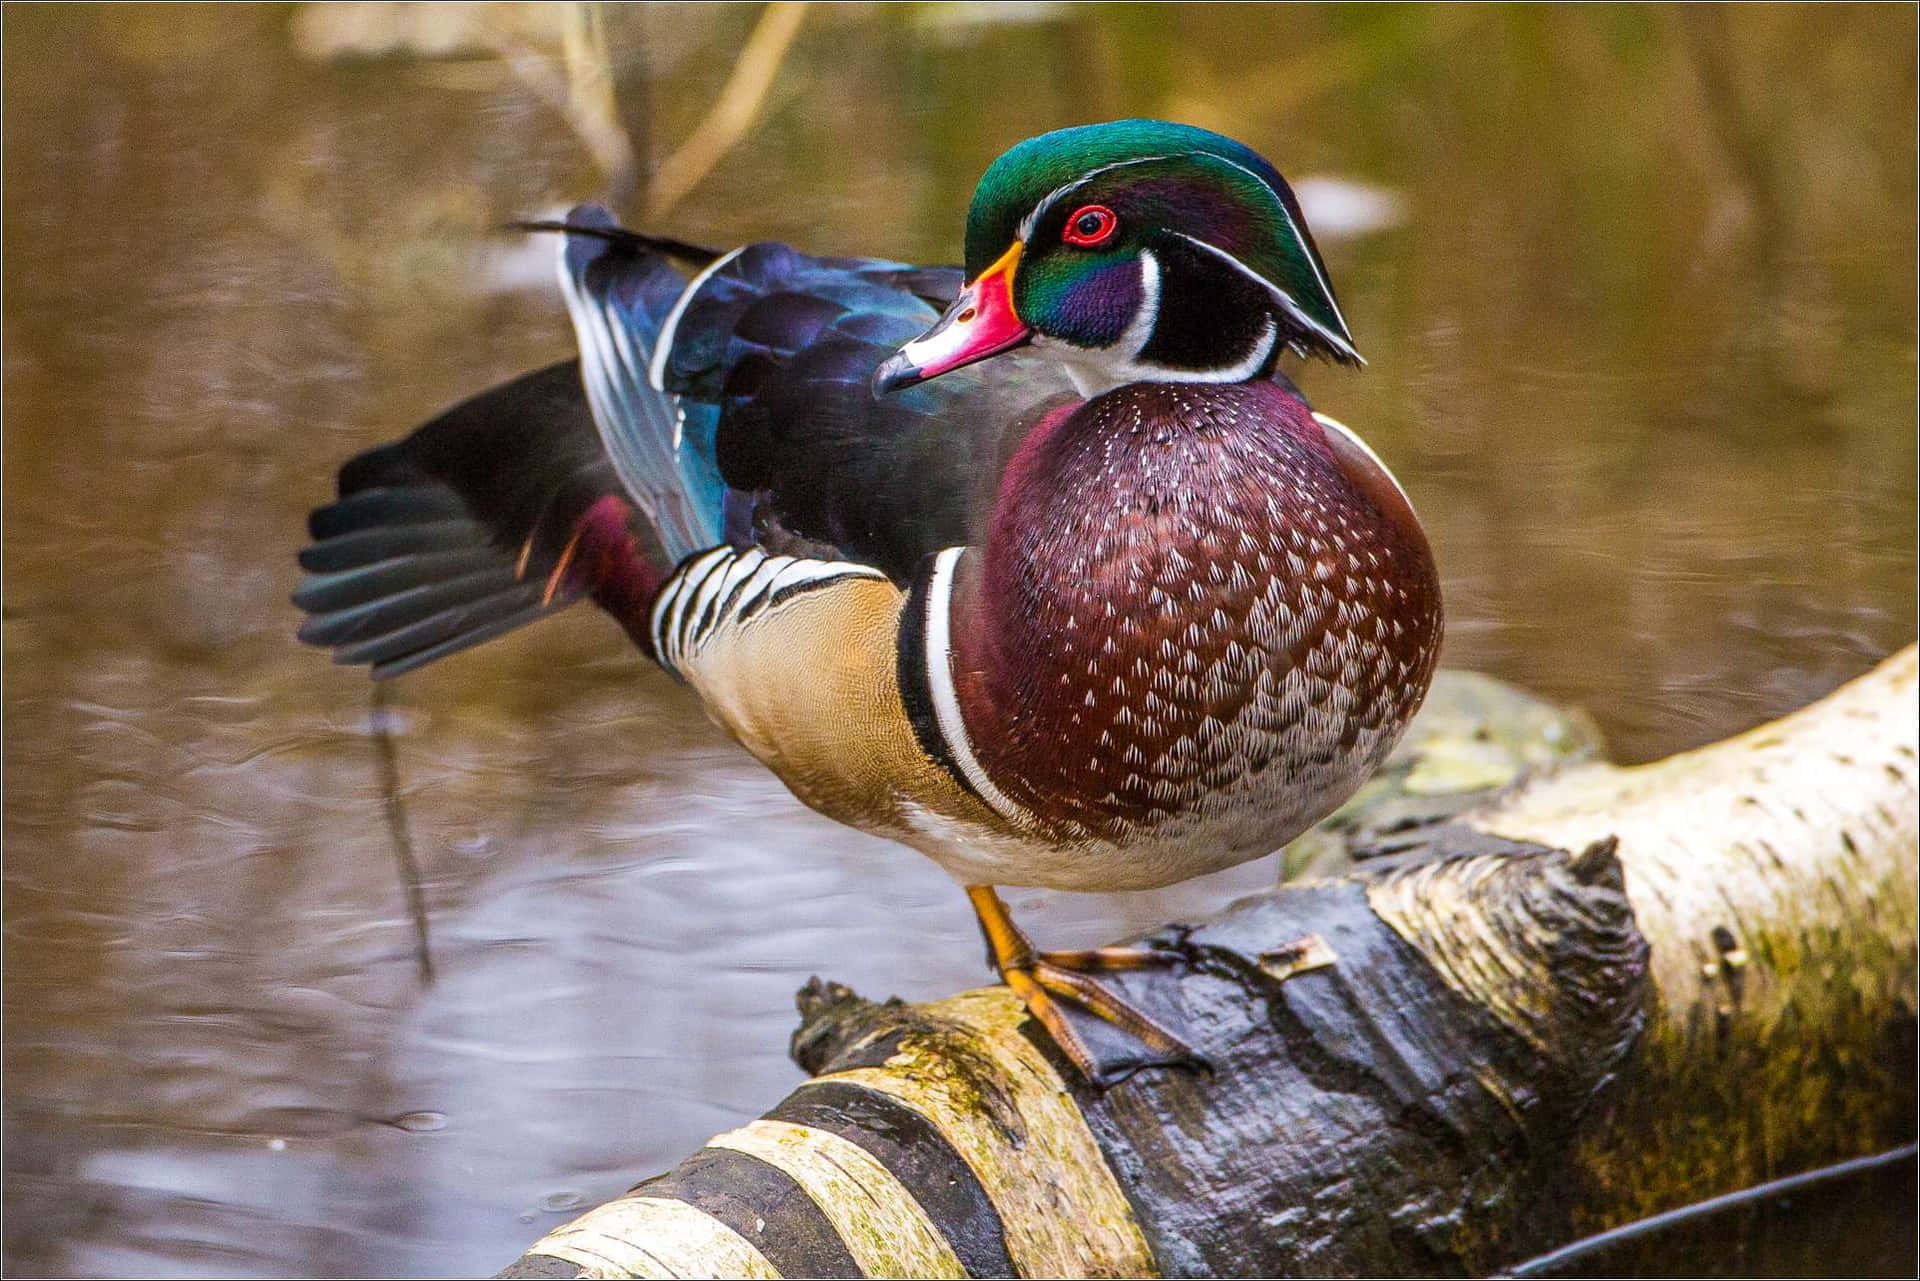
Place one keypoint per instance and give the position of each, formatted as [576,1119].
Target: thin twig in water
[388,759]
[583,43]
[582,93]
[733,111]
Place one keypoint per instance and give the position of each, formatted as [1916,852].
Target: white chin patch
[1095,370]
[1094,380]
[1091,370]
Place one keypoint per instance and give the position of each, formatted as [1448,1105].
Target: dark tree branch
[1595,996]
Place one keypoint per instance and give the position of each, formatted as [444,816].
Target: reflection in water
[1642,348]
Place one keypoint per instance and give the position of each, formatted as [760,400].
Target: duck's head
[1134,251]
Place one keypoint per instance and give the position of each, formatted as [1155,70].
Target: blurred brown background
[1636,286]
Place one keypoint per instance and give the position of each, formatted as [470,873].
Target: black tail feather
[384,505]
[459,627]
[459,532]
[372,619]
[370,546]
[343,589]
[698,255]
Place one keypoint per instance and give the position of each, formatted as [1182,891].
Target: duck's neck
[1092,379]
[1095,373]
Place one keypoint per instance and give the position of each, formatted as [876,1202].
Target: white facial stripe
[1300,235]
[1046,202]
[1095,370]
[1140,329]
[1091,376]
[1256,357]
[946,701]
[657,367]
[1280,295]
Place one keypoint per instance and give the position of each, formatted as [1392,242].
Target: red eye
[1090,225]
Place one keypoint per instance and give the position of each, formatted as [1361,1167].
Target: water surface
[1641,340]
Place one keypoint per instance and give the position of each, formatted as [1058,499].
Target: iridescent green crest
[1178,190]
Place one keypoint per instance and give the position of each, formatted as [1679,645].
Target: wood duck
[1113,609]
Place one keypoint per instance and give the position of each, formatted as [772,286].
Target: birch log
[1595,994]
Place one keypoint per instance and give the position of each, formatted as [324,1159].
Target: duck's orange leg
[1038,977]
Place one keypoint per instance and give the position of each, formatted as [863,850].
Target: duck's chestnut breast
[1192,604]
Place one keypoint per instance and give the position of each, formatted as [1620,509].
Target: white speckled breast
[1198,626]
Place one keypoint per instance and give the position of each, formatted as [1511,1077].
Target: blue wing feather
[734,407]
[619,298]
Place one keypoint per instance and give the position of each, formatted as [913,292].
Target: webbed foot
[1105,1036]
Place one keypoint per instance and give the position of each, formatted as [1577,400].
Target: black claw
[1117,1054]
[1113,1073]
[1107,1079]
[1175,940]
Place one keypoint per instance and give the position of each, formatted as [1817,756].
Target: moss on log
[1533,999]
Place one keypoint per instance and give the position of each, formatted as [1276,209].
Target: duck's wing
[766,360]
[731,407]
[496,513]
